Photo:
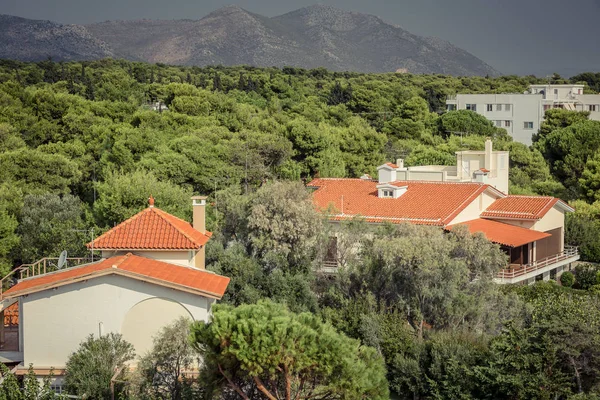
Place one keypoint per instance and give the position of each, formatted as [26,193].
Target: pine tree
[217,85]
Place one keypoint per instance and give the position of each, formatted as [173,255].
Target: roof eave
[113,271]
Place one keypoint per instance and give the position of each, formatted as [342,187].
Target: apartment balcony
[517,273]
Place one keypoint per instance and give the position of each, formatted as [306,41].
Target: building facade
[522,114]
[530,229]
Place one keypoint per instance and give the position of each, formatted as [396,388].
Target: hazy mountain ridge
[33,40]
[316,36]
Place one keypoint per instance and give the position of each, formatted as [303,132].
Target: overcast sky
[513,36]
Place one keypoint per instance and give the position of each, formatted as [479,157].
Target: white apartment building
[522,114]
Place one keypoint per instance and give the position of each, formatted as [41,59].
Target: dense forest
[83,146]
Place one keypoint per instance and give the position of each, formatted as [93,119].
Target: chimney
[199,213]
[400,163]
[488,154]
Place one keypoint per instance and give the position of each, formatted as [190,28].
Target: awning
[501,233]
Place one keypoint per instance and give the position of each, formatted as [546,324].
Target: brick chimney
[199,213]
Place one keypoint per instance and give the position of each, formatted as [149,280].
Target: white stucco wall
[474,209]
[54,322]
[185,257]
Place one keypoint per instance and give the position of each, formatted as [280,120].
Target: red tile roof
[520,207]
[501,233]
[152,229]
[424,203]
[161,273]
[389,164]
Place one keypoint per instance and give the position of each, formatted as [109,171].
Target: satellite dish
[62,260]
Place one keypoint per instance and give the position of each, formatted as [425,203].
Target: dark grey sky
[514,36]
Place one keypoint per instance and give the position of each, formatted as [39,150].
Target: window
[592,107]
[388,193]
[527,125]
[507,107]
[451,107]
[56,388]
[498,107]
[472,107]
[555,91]
[547,107]
[499,124]
[507,124]
[490,107]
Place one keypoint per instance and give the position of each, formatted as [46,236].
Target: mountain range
[315,36]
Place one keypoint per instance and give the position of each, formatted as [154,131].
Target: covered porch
[531,254]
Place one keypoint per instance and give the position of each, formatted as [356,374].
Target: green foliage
[159,374]
[567,279]
[264,348]
[122,195]
[89,370]
[468,123]
[50,224]
[283,222]
[586,276]
[405,264]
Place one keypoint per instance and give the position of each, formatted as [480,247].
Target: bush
[586,276]
[567,279]
[90,369]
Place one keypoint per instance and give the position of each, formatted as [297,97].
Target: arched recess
[143,321]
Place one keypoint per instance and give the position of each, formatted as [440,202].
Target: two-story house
[474,193]
[151,272]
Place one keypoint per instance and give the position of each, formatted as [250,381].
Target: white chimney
[400,163]
[199,213]
[488,155]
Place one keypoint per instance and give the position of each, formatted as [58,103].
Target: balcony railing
[520,270]
[39,267]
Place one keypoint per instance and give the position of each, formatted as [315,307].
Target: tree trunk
[260,385]
[233,385]
[577,375]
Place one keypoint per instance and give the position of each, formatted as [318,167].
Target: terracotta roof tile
[501,233]
[136,267]
[520,207]
[152,229]
[424,203]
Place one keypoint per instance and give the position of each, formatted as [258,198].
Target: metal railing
[40,267]
[520,270]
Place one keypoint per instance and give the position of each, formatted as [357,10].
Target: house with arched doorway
[150,274]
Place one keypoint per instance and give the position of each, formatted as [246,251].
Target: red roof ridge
[529,196]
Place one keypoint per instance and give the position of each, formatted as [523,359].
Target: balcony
[519,273]
[41,267]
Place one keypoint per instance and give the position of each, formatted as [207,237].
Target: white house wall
[55,321]
[474,209]
[185,257]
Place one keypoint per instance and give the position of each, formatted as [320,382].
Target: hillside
[315,36]
[33,40]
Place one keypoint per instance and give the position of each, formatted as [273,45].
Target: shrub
[90,369]
[567,279]
[586,276]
